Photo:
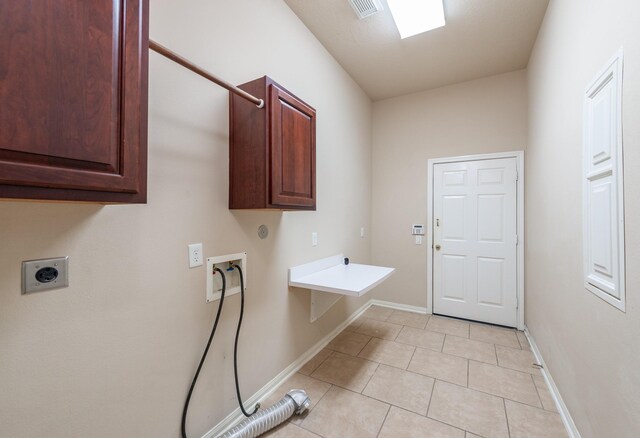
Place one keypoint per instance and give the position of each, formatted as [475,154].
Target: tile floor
[399,374]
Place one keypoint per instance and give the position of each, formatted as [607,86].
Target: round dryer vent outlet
[263,231]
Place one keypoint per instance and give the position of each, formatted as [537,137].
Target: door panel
[475,230]
[454,274]
[490,214]
[73,99]
[490,281]
[453,209]
[603,244]
[292,150]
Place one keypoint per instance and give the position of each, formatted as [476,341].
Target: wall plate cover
[45,274]
[214,281]
[195,255]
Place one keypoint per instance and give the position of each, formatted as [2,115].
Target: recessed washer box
[45,274]
[214,281]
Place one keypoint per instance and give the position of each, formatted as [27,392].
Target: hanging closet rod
[205,74]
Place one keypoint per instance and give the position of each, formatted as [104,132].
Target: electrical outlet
[314,239]
[362,232]
[195,255]
[232,276]
[45,274]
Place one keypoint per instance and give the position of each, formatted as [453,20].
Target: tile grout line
[514,369]
[444,422]
[371,377]
[468,372]
[504,404]
[412,356]
[433,389]
[320,364]
[363,347]
[384,420]
[538,392]
[314,406]
[486,393]
[432,419]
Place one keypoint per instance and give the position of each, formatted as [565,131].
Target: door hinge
[517,176]
[517,240]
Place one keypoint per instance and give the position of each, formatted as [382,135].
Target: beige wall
[113,355]
[476,117]
[592,349]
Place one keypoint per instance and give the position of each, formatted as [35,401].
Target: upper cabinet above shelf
[272,150]
[73,100]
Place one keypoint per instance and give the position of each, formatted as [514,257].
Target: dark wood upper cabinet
[272,150]
[73,100]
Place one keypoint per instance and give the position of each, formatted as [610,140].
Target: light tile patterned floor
[399,374]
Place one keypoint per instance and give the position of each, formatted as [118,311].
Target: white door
[474,240]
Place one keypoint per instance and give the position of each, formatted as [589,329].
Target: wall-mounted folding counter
[330,279]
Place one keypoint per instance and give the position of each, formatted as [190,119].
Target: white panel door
[603,216]
[475,238]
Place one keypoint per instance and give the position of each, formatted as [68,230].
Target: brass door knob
[437,247]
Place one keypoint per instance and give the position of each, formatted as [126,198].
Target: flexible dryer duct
[295,401]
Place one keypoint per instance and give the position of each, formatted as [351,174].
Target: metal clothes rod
[167,53]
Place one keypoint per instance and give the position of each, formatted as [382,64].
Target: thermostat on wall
[417,230]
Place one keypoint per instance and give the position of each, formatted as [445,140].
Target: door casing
[519,156]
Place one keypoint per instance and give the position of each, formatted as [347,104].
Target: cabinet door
[293,151]
[73,99]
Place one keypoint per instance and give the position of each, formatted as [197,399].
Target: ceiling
[481,38]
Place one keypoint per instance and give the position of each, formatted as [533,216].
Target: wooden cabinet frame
[272,150]
[96,171]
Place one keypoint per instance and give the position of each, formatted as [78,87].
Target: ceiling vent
[365,8]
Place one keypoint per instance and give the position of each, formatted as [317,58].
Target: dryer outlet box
[45,274]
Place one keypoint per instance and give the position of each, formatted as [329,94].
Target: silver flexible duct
[295,401]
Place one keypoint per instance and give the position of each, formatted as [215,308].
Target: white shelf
[331,275]
[352,279]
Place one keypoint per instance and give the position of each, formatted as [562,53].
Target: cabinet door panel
[73,97]
[292,151]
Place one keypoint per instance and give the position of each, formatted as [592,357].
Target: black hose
[204,355]
[235,347]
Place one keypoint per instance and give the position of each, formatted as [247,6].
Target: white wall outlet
[314,239]
[418,240]
[195,255]
[231,275]
[362,232]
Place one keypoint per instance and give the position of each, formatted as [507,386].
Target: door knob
[437,247]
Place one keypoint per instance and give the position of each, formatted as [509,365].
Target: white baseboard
[396,306]
[572,430]
[236,416]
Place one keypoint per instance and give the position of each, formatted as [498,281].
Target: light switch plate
[314,239]
[45,274]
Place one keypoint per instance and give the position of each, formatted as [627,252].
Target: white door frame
[519,156]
